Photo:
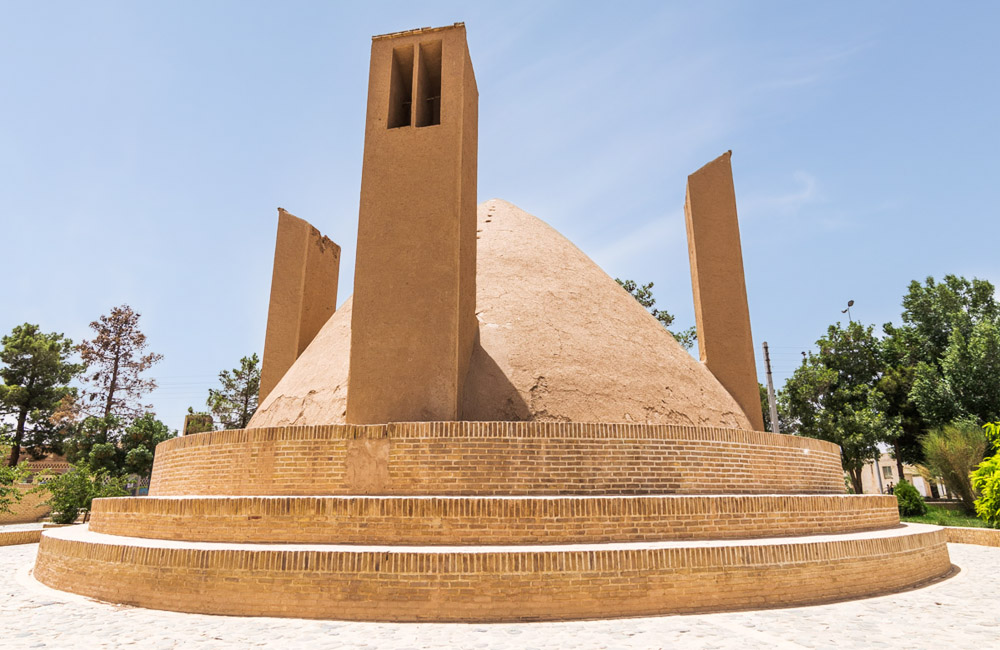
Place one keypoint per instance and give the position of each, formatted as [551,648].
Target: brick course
[488,520]
[488,583]
[980,536]
[15,537]
[29,509]
[499,458]
[492,521]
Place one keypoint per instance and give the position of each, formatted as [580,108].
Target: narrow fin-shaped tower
[722,315]
[303,295]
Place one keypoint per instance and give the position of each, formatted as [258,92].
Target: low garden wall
[30,508]
[980,536]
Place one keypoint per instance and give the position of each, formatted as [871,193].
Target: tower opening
[429,84]
[401,87]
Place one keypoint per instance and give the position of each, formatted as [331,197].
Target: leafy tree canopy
[36,372]
[104,445]
[644,295]
[235,402]
[831,396]
[935,310]
[75,491]
[116,358]
[966,382]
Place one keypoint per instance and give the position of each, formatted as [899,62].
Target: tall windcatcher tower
[414,322]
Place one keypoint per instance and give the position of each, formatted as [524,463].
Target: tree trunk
[855,475]
[15,449]
[897,451]
[245,417]
[112,386]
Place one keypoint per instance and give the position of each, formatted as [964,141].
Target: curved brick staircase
[491,522]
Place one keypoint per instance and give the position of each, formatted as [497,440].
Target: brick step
[501,458]
[488,520]
[489,583]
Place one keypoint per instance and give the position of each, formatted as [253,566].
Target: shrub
[74,491]
[9,492]
[952,452]
[910,503]
[986,480]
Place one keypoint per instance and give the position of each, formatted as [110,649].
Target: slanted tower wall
[303,295]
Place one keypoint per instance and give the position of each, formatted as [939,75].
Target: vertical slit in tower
[401,87]
[428,97]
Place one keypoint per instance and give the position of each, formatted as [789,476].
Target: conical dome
[559,341]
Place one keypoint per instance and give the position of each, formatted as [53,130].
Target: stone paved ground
[958,613]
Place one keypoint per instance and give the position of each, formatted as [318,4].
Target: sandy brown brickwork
[30,508]
[488,583]
[980,536]
[502,458]
[15,537]
[488,520]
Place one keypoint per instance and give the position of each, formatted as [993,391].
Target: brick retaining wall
[15,537]
[980,536]
[503,458]
[488,583]
[488,520]
[30,508]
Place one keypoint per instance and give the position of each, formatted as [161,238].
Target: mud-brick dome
[559,340]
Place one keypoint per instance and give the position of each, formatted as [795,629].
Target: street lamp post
[850,303]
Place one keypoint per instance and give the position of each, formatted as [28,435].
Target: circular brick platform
[488,520]
[491,583]
[495,458]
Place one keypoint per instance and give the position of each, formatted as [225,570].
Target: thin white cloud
[788,203]
[660,234]
[792,82]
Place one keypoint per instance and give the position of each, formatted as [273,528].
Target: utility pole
[770,392]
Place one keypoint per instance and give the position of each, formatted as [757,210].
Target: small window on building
[886,471]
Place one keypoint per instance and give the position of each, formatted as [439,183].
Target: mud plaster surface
[558,340]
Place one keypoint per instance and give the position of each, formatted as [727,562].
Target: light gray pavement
[16,527]
[960,612]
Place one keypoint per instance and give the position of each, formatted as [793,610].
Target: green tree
[48,431]
[986,480]
[75,491]
[966,382]
[116,359]
[938,321]
[946,350]
[35,374]
[106,446]
[235,402]
[896,387]
[644,295]
[935,310]
[952,452]
[784,426]
[765,407]
[138,444]
[831,396]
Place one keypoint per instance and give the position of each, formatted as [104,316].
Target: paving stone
[959,612]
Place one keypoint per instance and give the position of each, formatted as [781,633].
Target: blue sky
[145,147]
